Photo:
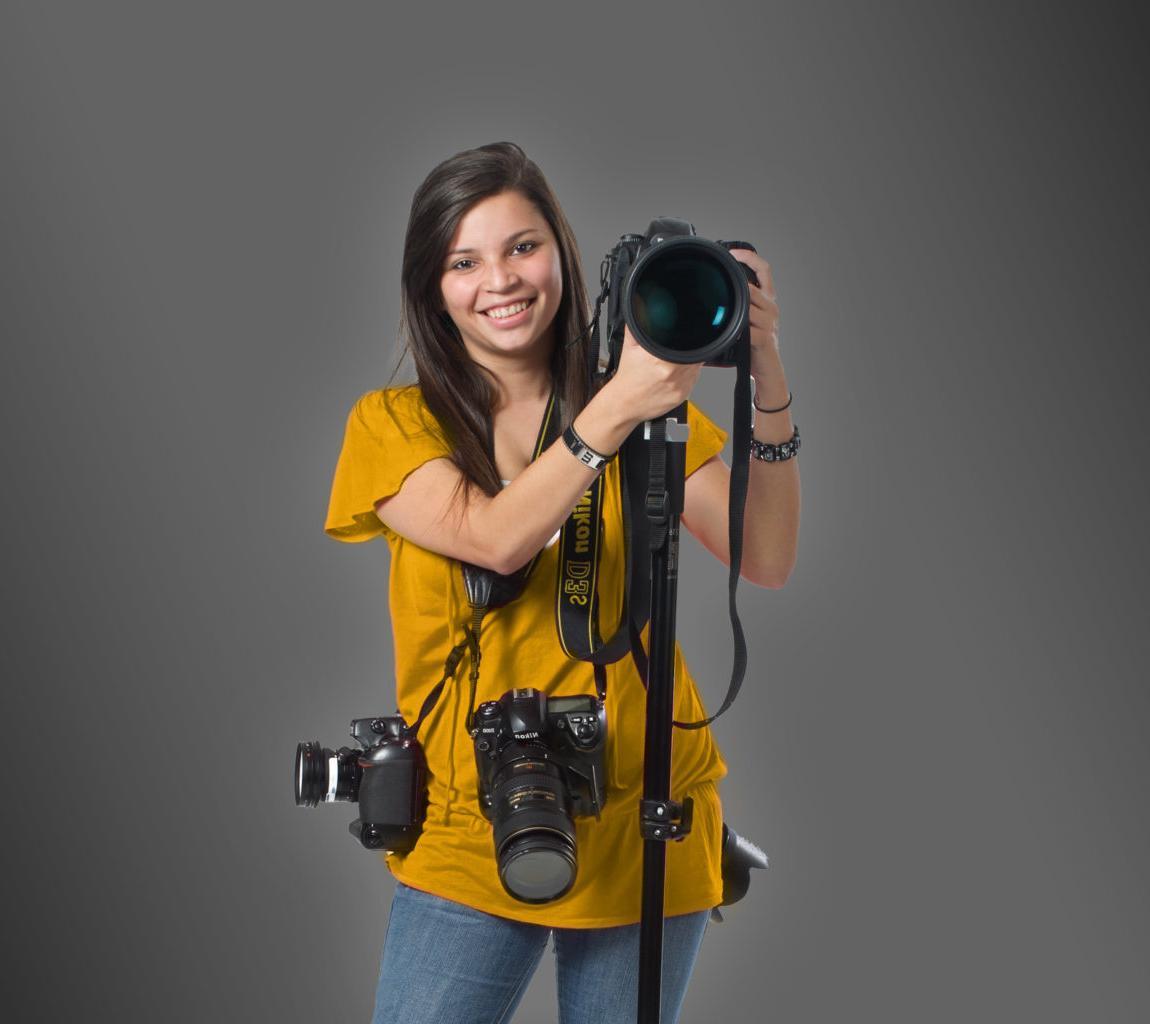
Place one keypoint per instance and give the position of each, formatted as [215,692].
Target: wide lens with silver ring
[323,775]
[686,299]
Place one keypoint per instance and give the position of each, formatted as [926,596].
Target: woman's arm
[503,532]
[771,519]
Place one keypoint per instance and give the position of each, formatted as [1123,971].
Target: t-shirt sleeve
[706,439]
[389,435]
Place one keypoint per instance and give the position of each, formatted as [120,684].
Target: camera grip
[750,275]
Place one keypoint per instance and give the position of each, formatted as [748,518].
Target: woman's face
[502,279]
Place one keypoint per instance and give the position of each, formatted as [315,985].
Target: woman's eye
[520,248]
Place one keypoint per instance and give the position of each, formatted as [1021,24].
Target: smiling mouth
[503,312]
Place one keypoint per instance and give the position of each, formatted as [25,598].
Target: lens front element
[686,299]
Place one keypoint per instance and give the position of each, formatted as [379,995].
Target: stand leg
[660,715]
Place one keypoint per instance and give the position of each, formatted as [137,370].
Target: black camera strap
[643,484]
[580,555]
[449,667]
[577,593]
[642,474]
[645,503]
[470,642]
[580,545]
[488,590]
[736,505]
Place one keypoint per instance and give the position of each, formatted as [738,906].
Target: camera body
[685,298]
[386,776]
[540,762]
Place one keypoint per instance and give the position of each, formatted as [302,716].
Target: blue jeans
[444,962]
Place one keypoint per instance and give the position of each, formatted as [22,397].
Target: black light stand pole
[661,819]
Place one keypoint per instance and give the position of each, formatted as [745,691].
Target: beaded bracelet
[765,452]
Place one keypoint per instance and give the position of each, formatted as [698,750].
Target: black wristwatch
[583,451]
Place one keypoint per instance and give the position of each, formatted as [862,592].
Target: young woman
[494,315]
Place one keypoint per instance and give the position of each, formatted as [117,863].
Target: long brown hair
[458,394]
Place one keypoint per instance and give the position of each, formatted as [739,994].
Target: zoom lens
[686,299]
[534,831]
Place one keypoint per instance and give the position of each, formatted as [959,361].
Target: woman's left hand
[764,315]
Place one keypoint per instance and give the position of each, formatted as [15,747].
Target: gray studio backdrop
[941,740]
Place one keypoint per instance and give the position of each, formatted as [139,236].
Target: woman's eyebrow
[508,241]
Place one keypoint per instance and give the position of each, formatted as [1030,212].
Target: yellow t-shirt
[389,434]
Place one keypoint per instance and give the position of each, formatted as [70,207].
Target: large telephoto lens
[534,831]
[686,299]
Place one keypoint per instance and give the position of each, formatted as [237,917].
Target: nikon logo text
[581,517]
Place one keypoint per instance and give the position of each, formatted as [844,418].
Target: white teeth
[505,311]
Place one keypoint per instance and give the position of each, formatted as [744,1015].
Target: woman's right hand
[642,388]
[504,531]
[647,387]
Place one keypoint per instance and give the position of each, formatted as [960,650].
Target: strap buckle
[658,506]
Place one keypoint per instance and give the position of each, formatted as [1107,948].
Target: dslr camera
[540,762]
[685,298]
[386,775]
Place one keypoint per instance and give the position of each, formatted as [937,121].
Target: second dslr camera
[540,762]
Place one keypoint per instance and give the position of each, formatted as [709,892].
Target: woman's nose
[501,276]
